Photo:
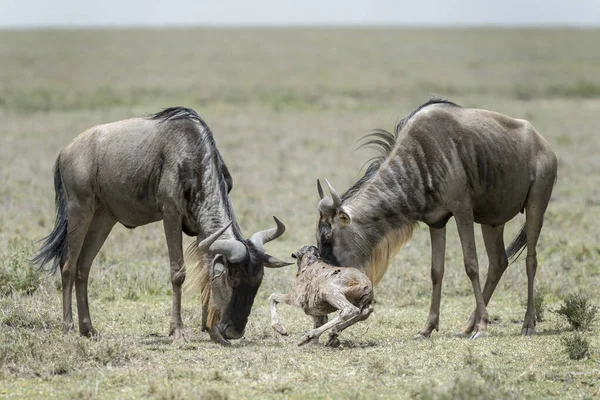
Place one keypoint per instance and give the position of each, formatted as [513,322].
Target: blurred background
[288,88]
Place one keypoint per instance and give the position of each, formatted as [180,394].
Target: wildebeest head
[236,274]
[363,238]
[339,238]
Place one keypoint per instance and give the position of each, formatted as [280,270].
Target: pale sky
[82,13]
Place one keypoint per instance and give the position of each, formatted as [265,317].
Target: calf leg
[493,237]
[275,299]
[173,232]
[319,322]
[98,231]
[333,340]
[438,251]
[347,312]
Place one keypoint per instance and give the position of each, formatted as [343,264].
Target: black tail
[55,244]
[517,246]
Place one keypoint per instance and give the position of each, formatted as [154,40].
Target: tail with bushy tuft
[55,244]
[517,246]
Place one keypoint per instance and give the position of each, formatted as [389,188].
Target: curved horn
[233,250]
[337,201]
[262,237]
[204,245]
[272,262]
[320,190]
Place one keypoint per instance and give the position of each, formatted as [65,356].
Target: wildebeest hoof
[308,338]
[421,336]
[280,329]
[479,334]
[528,331]
[333,341]
[179,337]
[216,337]
[68,328]
[90,333]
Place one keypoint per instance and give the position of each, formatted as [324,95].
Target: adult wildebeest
[140,170]
[445,160]
[321,289]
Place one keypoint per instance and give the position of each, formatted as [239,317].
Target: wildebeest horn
[204,245]
[337,201]
[320,190]
[272,262]
[233,250]
[262,237]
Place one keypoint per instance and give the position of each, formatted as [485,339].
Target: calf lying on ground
[321,289]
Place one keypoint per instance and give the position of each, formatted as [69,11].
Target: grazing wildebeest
[321,289]
[140,170]
[445,160]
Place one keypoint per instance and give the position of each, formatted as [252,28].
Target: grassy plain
[286,106]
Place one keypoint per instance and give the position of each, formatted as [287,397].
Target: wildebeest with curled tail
[165,167]
[445,160]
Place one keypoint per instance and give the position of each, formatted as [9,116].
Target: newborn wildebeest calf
[321,289]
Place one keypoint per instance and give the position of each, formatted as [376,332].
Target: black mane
[383,142]
[177,113]
[206,139]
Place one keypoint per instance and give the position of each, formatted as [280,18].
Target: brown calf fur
[321,289]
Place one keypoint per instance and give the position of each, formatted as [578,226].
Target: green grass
[287,107]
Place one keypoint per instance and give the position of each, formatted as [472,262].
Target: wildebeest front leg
[467,240]
[493,238]
[173,233]
[438,252]
[275,299]
[347,312]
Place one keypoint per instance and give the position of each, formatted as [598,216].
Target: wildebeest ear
[272,262]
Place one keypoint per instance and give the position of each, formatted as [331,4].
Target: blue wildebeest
[140,170]
[445,160]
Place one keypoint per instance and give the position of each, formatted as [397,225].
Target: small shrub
[579,311]
[17,275]
[576,346]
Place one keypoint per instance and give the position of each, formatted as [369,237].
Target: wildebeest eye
[344,218]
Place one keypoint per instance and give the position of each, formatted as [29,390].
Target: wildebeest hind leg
[79,216]
[173,233]
[493,237]
[464,224]
[99,229]
[535,206]
[438,252]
